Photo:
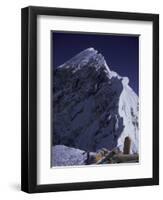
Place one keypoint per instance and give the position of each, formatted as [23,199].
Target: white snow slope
[128,110]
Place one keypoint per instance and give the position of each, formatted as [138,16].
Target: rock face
[93,107]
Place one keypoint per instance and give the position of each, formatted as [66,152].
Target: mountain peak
[90,49]
[94,107]
[87,57]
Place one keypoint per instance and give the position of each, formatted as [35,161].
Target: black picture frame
[29,99]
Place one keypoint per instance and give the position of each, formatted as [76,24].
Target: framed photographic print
[90,99]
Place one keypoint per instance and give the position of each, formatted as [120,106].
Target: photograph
[94,98]
[90,99]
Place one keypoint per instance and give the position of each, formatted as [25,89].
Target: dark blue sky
[121,52]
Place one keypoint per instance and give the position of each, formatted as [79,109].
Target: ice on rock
[66,156]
